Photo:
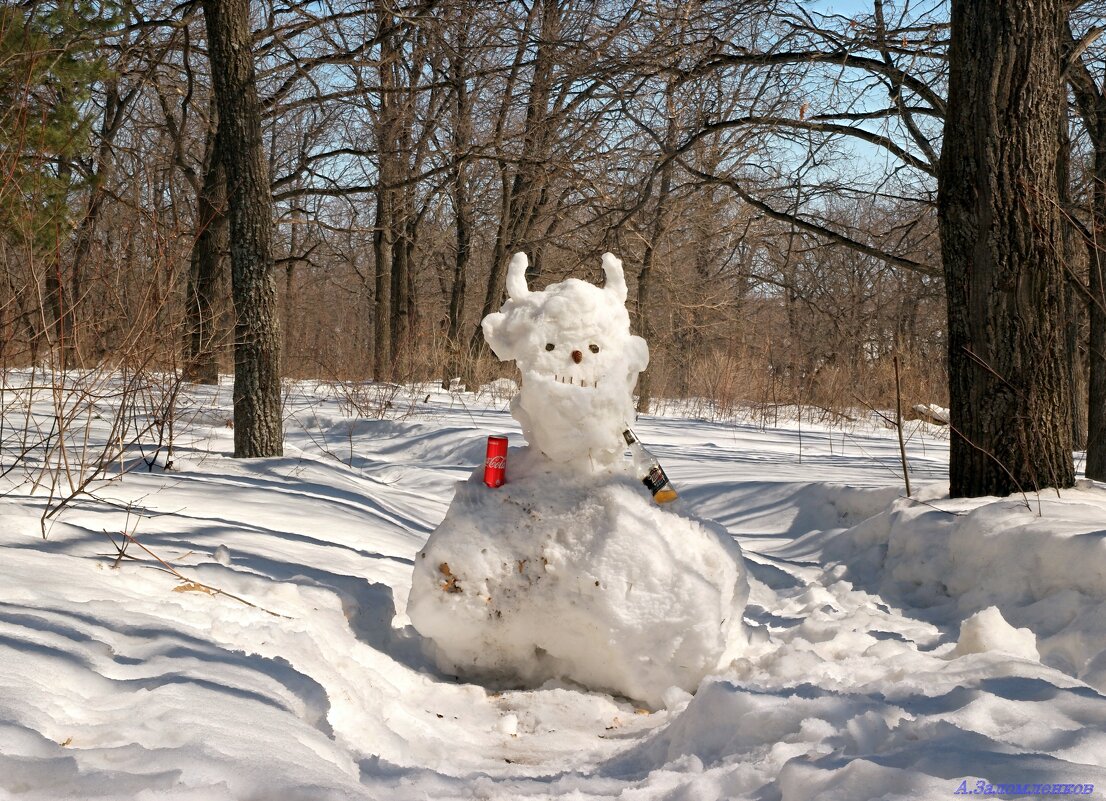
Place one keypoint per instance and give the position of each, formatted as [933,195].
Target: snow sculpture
[578,360]
[570,571]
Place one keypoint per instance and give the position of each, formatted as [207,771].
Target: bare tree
[1009,387]
[240,150]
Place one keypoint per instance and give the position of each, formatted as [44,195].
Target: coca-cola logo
[496,462]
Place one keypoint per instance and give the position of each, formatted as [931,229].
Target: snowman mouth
[576,382]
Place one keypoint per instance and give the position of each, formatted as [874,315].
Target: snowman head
[578,359]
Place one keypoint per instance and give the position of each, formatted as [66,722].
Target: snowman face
[572,334]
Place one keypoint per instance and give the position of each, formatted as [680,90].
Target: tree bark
[1096,346]
[462,204]
[1074,256]
[257,401]
[1001,242]
[1090,99]
[206,267]
[382,284]
[392,151]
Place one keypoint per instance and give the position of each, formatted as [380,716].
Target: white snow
[1039,561]
[988,631]
[113,685]
[579,363]
[932,413]
[558,575]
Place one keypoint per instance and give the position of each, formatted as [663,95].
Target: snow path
[113,685]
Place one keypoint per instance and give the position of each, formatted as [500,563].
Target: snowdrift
[1036,564]
[117,683]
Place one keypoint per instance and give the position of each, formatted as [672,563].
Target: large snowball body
[559,575]
[578,360]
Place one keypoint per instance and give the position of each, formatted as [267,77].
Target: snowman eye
[549,346]
[593,348]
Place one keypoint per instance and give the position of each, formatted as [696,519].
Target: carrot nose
[577,356]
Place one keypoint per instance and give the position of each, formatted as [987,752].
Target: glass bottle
[649,470]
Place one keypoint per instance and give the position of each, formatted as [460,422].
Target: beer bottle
[649,470]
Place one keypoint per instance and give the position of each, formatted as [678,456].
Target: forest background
[766,170]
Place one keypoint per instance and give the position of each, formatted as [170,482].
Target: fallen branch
[187,584]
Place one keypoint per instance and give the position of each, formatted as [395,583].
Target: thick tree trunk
[1001,242]
[201,364]
[257,401]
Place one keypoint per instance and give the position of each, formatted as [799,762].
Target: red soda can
[495,462]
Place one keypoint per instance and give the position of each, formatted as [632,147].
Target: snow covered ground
[124,682]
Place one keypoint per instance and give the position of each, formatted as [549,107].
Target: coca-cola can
[495,462]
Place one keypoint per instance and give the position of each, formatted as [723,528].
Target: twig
[898,424]
[191,583]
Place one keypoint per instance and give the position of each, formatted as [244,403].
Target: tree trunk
[382,256]
[525,193]
[257,401]
[400,317]
[1074,334]
[58,297]
[462,205]
[110,125]
[1096,346]
[660,223]
[391,276]
[1091,102]
[1001,242]
[201,363]
[1074,258]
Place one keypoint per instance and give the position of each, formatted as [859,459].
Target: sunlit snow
[857,683]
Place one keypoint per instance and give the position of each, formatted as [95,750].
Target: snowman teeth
[561,379]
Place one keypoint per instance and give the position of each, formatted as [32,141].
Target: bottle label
[655,479]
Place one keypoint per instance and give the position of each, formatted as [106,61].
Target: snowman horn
[516,277]
[616,279]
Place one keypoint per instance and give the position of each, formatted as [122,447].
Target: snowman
[570,572]
[578,360]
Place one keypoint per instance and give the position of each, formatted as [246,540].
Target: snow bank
[558,575]
[1040,564]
